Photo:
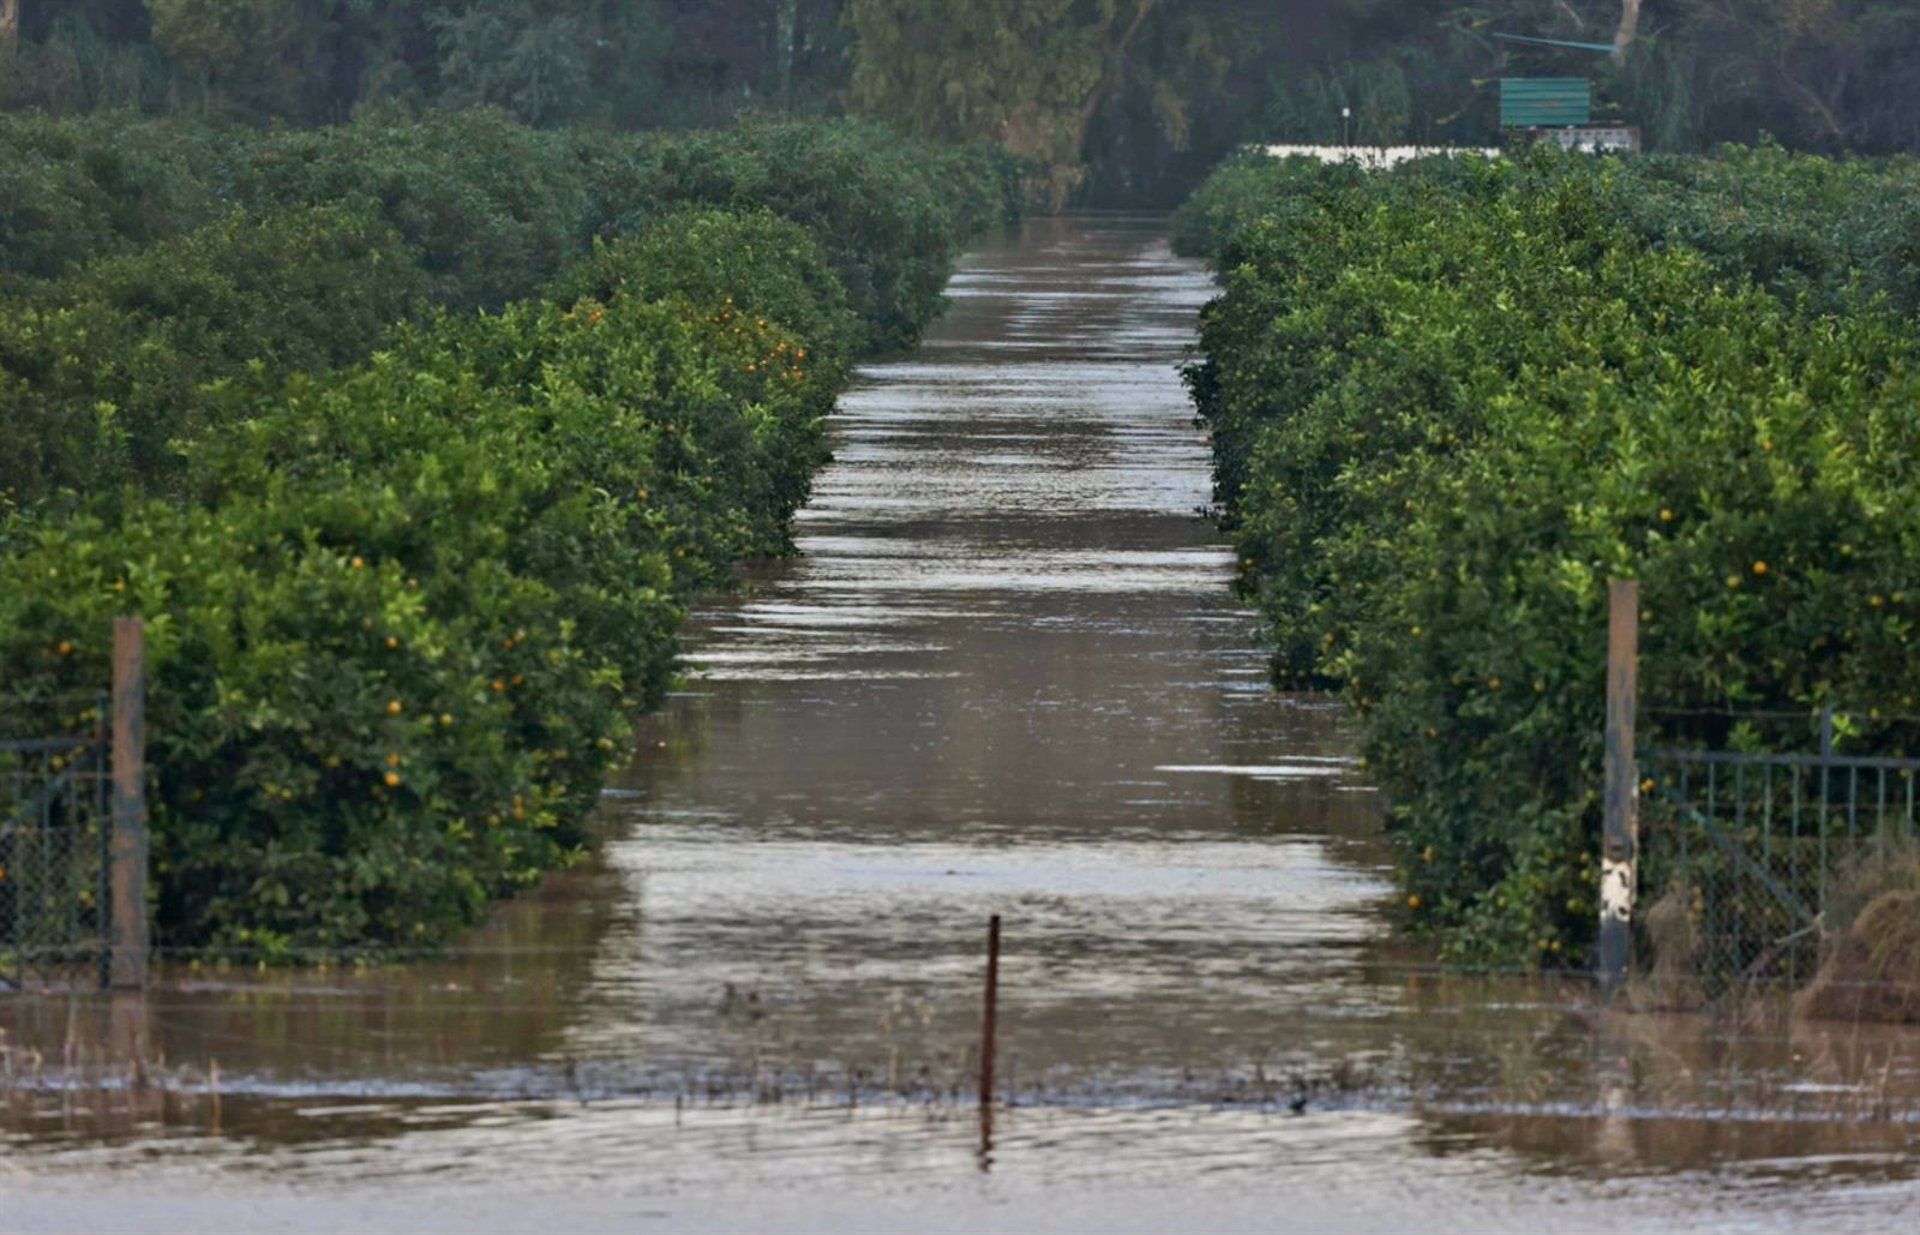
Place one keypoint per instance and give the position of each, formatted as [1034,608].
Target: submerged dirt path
[1006,673]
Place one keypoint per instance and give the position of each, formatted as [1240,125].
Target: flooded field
[1005,675]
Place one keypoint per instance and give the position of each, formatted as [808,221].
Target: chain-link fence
[54,862]
[1753,860]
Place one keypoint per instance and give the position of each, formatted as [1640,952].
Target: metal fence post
[1621,825]
[130,940]
[989,1024]
[988,1028]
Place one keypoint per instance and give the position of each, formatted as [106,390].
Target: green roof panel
[1545,102]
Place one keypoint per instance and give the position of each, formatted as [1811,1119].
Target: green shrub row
[1448,404]
[71,190]
[490,205]
[398,638]
[1817,230]
[102,373]
[409,569]
[187,255]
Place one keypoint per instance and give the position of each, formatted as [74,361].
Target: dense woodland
[1113,100]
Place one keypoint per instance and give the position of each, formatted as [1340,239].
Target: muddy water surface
[1005,675]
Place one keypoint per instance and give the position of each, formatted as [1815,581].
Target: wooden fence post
[130,940]
[1621,827]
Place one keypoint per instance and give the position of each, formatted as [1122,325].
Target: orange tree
[1449,404]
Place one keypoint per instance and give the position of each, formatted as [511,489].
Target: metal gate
[55,863]
[1751,858]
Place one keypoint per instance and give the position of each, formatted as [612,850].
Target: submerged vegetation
[409,440]
[1449,402]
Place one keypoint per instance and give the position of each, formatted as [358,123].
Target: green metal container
[1545,102]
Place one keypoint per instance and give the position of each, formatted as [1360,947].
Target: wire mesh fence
[1754,860]
[54,862]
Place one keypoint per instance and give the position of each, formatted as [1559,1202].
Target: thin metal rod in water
[992,1012]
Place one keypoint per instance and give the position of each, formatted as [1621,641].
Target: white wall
[1376,156]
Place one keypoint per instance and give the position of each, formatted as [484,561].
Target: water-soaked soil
[1006,675]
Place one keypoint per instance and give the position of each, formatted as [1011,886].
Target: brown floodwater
[1005,675]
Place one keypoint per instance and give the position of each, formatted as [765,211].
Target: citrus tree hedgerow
[1449,404]
[396,645]
[401,612]
[121,312]
[101,373]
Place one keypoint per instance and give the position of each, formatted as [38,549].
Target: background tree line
[1111,100]
[627,63]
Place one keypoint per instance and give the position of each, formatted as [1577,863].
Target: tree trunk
[9,22]
[1629,26]
[1114,70]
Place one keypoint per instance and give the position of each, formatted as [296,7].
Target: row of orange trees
[1448,403]
[411,481]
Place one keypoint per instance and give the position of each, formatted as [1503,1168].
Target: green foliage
[1006,70]
[275,825]
[1249,186]
[1037,77]
[1834,75]
[626,63]
[342,231]
[101,373]
[551,63]
[492,206]
[77,70]
[1801,225]
[397,639]
[754,263]
[887,213]
[75,189]
[404,603]
[1449,403]
[216,36]
[1363,103]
